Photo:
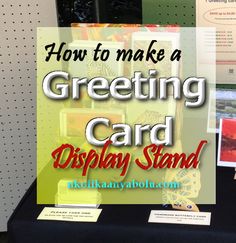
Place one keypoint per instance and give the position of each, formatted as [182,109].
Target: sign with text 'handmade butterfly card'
[119,120]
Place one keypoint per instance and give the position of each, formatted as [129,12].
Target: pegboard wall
[18,22]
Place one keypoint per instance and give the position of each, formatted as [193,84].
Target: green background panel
[181,12]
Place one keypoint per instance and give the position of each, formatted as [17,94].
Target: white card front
[179,217]
[70,214]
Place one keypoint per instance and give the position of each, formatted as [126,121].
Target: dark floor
[3,237]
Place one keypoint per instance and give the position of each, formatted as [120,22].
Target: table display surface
[128,223]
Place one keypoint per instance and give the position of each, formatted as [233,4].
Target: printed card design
[222,105]
[227,143]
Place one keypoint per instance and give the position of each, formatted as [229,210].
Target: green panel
[226,86]
[181,12]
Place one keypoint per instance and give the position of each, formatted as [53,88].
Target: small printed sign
[179,217]
[70,214]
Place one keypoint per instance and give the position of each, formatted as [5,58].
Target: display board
[180,12]
[18,23]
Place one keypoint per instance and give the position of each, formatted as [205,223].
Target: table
[128,223]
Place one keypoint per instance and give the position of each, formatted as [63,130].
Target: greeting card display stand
[129,223]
